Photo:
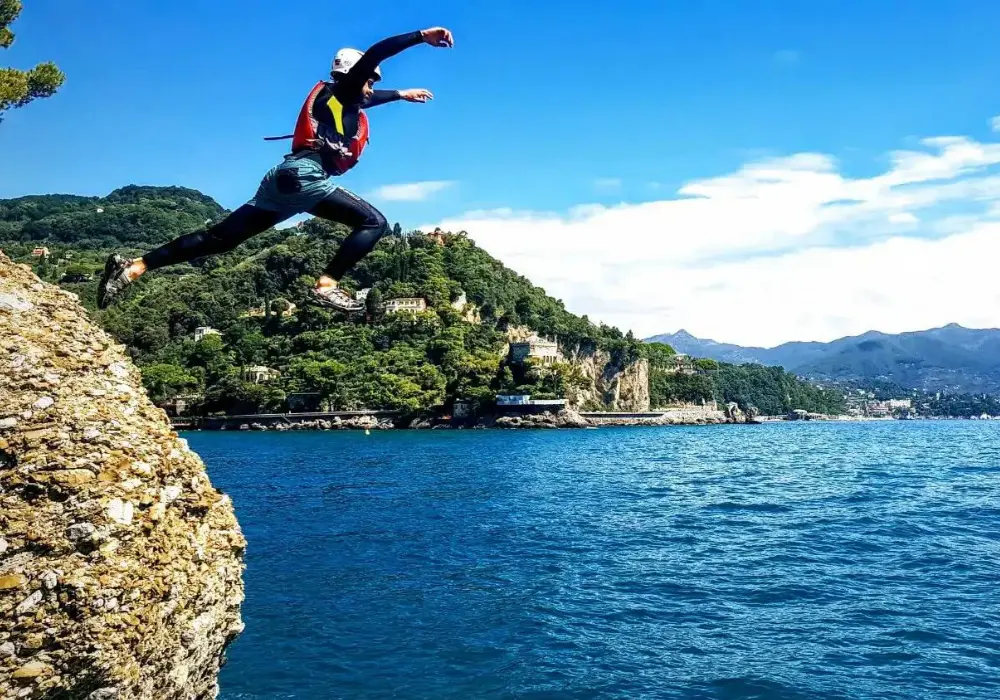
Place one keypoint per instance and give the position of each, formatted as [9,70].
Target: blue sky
[536,102]
[540,109]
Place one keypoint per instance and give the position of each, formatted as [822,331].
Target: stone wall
[120,564]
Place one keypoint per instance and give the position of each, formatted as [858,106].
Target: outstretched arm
[381,97]
[350,85]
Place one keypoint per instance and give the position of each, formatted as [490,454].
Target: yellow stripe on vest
[337,110]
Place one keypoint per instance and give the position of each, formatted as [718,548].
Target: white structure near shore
[526,400]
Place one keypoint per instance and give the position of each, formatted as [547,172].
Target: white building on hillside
[535,348]
[202,332]
[258,374]
[408,304]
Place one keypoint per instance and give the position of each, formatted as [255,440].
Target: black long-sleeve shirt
[381,97]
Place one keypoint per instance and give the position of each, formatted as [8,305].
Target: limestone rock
[12,581]
[121,511]
[29,604]
[80,531]
[104,694]
[571,419]
[566,418]
[616,387]
[734,414]
[113,580]
[30,670]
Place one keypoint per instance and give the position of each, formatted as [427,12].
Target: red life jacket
[307,129]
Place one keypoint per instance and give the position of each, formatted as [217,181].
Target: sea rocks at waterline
[566,418]
[735,414]
[336,423]
[120,566]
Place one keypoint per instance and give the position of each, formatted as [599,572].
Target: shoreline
[387,420]
[566,419]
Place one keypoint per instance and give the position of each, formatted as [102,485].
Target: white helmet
[345,60]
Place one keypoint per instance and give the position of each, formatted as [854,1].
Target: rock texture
[627,388]
[563,419]
[734,414]
[609,386]
[678,415]
[337,423]
[613,387]
[120,564]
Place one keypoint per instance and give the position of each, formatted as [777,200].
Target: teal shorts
[294,186]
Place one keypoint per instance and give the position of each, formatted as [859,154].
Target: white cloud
[782,249]
[607,184]
[995,123]
[411,191]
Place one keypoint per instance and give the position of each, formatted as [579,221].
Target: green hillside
[255,298]
[131,215]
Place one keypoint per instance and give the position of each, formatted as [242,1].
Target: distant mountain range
[952,358]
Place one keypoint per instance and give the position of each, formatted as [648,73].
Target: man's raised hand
[416,95]
[439,37]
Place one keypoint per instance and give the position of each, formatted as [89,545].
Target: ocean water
[778,561]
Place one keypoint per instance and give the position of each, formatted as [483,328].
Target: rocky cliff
[120,564]
[609,385]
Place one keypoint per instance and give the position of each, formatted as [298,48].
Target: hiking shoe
[335,298]
[114,281]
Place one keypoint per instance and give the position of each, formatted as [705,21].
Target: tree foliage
[136,217]
[19,87]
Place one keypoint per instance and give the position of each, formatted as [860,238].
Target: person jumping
[330,135]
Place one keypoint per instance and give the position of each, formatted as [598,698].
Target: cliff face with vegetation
[610,384]
[255,297]
[120,564]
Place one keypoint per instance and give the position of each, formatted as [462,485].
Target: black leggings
[246,222]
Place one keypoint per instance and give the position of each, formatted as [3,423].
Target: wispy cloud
[781,249]
[995,123]
[412,191]
[787,56]
[607,184]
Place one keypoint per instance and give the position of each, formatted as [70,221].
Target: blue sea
[793,561]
